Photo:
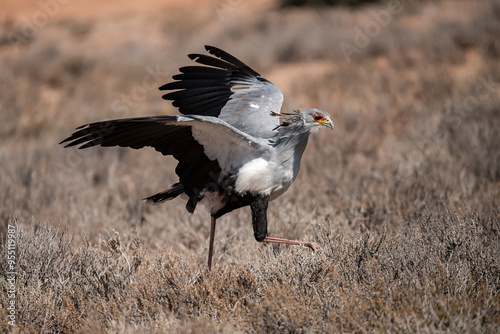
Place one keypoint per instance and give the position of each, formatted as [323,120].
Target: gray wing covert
[228,89]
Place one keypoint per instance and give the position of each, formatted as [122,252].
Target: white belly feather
[263,177]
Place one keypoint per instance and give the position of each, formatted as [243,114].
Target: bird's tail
[172,192]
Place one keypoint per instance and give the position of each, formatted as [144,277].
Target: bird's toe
[313,246]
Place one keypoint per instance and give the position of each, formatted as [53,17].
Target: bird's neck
[290,146]
[292,138]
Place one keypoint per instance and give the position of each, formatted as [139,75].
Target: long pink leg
[311,245]
[211,245]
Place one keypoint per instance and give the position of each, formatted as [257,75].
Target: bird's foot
[312,245]
[309,244]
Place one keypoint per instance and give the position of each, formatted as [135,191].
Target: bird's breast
[260,176]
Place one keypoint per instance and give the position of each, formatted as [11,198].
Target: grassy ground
[403,196]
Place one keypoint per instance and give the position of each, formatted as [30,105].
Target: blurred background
[412,87]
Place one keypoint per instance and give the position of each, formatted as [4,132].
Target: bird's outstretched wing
[228,89]
[187,138]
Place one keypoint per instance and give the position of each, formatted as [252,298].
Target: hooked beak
[326,122]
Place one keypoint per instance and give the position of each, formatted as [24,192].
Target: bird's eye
[317,117]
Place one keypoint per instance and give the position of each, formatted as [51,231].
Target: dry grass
[403,196]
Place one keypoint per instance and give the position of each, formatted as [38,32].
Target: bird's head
[307,120]
[316,119]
